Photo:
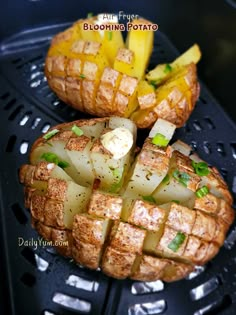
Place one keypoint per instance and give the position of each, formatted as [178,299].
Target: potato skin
[80,72]
[127,236]
[149,269]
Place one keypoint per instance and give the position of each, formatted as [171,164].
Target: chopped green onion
[177,242]
[63,164]
[116,186]
[155,83]
[182,178]
[53,158]
[168,68]
[200,168]
[109,33]
[176,201]
[201,192]
[149,199]
[50,134]
[89,15]
[160,140]
[166,179]
[82,76]
[50,157]
[79,132]
[117,173]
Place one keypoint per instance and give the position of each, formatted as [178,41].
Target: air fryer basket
[37,280]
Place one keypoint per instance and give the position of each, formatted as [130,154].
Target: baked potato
[145,214]
[95,72]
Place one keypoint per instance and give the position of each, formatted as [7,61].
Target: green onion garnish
[50,134]
[160,140]
[89,15]
[82,76]
[109,34]
[116,186]
[117,173]
[53,158]
[155,83]
[149,199]
[201,192]
[200,168]
[168,68]
[63,164]
[50,157]
[176,201]
[177,241]
[79,132]
[182,177]
[166,179]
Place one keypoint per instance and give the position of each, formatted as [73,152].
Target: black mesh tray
[38,281]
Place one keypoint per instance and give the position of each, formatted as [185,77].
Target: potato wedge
[162,72]
[141,43]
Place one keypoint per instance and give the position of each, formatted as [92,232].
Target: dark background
[210,23]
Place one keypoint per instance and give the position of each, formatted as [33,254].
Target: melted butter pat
[118,141]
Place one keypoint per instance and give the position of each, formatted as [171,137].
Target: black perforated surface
[27,108]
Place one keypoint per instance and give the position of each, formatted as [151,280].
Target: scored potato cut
[78,150]
[180,183]
[174,99]
[60,203]
[148,268]
[152,164]
[37,176]
[105,205]
[112,42]
[77,198]
[82,156]
[148,171]
[109,171]
[146,95]
[176,271]
[95,72]
[141,43]
[215,183]
[55,146]
[89,235]
[144,214]
[176,215]
[124,61]
[61,239]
